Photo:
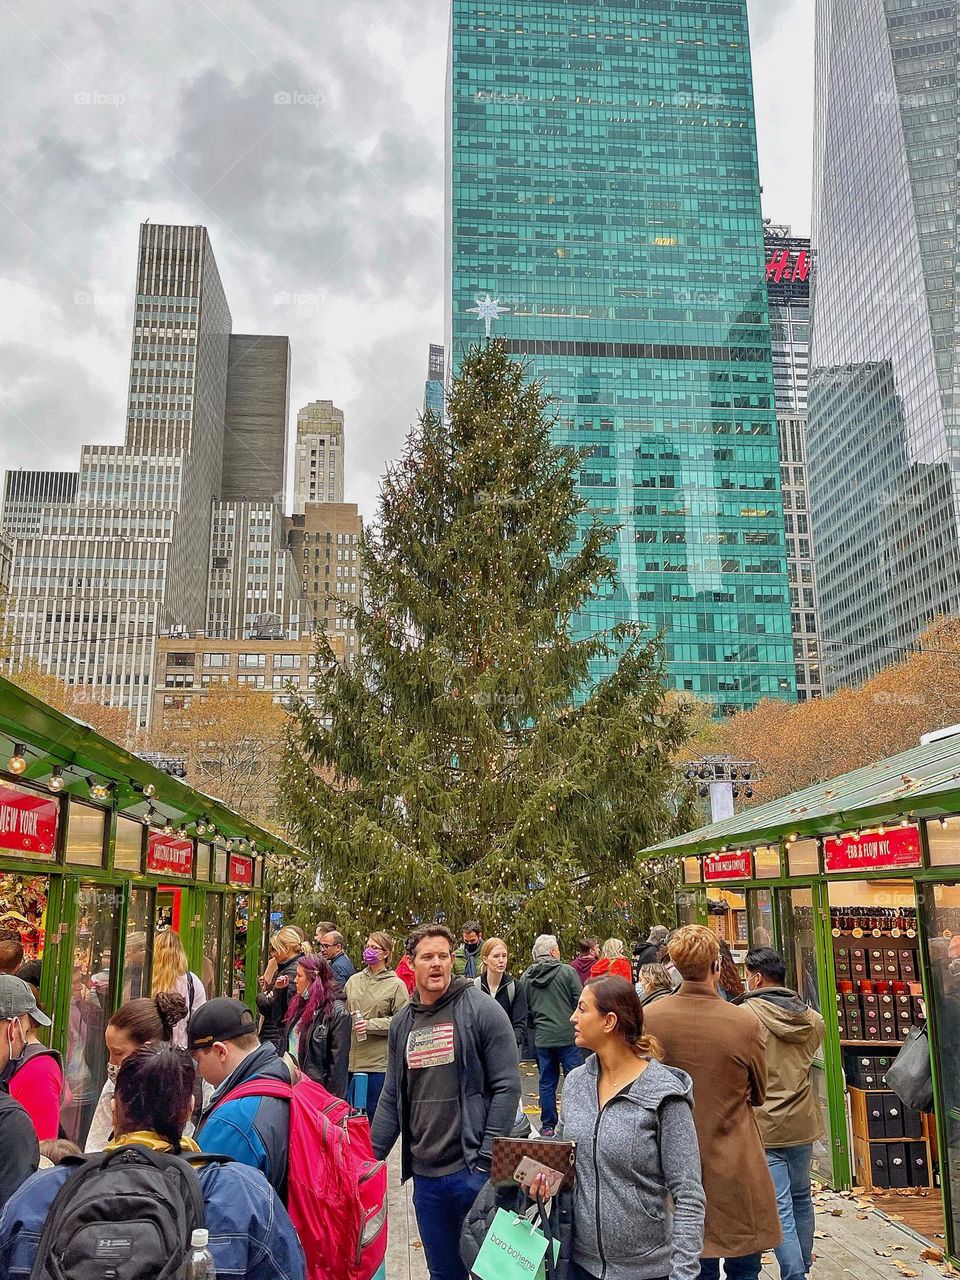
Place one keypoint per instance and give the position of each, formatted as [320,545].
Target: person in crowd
[653,983]
[672,970]
[638,1198]
[19,1148]
[136,1023]
[505,989]
[377,995]
[789,1118]
[649,952]
[612,961]
[277,984]
[324,927]
[85,1061]
[34,1072]
[171,973]
[250,1234]
[222,1036]
[11,953]
[552,990]
[452,1086]
[721,1049]
[405,973]
[318,1025]
[331,948]
[588,952]
[466,958]
[29,972]
[134,965]
[56,1150]
[729,984]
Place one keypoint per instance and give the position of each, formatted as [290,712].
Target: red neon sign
[779,269]
[28,822]
[727,866]
[168,855]
[898,847]
[241,870]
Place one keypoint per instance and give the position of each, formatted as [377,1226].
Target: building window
[216,660]
[248,660]
[180,659]
[286,662]
[256,682]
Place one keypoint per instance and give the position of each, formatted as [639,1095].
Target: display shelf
[872,1044]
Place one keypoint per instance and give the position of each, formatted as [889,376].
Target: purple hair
[320,994]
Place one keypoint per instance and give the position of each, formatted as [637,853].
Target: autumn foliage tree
[79,701]
[465,763]
[797,745]
[231,737]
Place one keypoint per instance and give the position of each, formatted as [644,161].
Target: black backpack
[126,1214]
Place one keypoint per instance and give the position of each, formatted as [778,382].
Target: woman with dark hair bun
[318,1025]
[136,1023]
[250,1233]
[637,1152]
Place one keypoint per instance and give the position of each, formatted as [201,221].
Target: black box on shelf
[918,1164]
[897,1167]
[912,1122]
[879,1171]
[876,1112]
[892,1116]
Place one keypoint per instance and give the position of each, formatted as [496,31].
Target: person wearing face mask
[374,995]
[34,1073]
[497,982]
[138,1022]
[19,1148]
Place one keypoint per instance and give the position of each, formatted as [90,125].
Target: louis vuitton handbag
[511,1155]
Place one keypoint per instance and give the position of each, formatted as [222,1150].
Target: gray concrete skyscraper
[95,578]
[318,469]
[884,434]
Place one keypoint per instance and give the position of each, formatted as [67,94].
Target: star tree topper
[488,309]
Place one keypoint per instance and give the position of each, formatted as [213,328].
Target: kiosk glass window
[803,858]
[940,904]
[212,932]
[138,946]
[944,842]
[86,830]
[203,862]
[128,845]
[94,968]
[23,910]
[766,862]
[760,917]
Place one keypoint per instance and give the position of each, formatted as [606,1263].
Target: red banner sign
[727,866]
[28,822]
[898,847]
[241,870]
[166,855]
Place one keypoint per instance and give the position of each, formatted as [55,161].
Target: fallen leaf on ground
[905,1270]
[820,1235]
[836,1213]
[931,1255]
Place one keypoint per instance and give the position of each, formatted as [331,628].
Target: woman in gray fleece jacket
[639,1202]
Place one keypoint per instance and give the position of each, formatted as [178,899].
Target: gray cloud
[325,206]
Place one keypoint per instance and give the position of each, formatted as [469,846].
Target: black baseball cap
[219,1019]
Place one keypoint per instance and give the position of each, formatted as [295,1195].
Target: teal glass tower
[603,217]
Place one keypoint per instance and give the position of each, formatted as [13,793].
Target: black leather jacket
[324,1049]
[273,1004]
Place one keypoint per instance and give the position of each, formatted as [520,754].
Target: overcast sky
[307,136]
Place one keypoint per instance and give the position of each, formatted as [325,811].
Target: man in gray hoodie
[452,1086]
[789,1118]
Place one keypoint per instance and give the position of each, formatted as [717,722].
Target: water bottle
[201,1259]
[358,1017]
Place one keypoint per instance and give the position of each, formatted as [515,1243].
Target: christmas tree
[465,764]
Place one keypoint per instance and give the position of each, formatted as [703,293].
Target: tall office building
[98,573]
[318,470]
[433,396]
[323,540]
[788,296]
[257,411]
[603,208]
[884,435]
[26,493]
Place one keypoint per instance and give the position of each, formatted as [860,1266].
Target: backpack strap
[477,983]
[262,1088]
[191,993]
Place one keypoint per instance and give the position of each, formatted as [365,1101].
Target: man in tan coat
[722,1049]
[789,1119]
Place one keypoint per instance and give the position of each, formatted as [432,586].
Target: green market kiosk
[99,850]
[856,881]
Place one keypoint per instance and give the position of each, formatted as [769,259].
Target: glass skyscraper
[884,436]
[603,210]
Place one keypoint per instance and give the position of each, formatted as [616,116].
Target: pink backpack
[336,1189]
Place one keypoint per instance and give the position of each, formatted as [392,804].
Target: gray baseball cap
[16,998]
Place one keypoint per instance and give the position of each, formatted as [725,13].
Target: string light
[57,781]
[18,761]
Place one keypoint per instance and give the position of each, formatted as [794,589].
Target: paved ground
[854,1240]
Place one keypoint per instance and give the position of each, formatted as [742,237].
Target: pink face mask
[371,955]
